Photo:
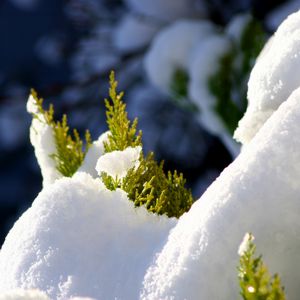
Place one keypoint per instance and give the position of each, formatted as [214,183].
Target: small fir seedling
[70,151]
[147,184]
[255,281]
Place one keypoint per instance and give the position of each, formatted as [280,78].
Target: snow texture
[273,78]
[19,294]
[80,240]
[118,163]
[96,150]
[134,33]
[258,193]
[166,10]
[171,49]
[42,139]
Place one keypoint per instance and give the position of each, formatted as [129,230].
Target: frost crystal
[118,163]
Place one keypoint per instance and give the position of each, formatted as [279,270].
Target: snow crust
[42,139]
[79,239]
[272,79]
[118,163]
[258,193]
[171,49]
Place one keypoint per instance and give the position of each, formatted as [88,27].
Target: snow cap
[272,79]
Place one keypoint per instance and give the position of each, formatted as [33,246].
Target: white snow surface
[42,139]
[118,163]
[273,78]
[95,151]
[134,32]
[167,10]
[20,294]
[258,193]
[80,240]
[171,48]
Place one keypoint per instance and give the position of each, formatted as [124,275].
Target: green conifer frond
[148,184]
[70,150]
[254,278]
[123,134]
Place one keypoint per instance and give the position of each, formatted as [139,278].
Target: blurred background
[181,63]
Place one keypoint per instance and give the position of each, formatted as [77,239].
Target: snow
[42,139]
[80,240]
[258,193]
[171,48]
[236,26]
[118,163]
[273,78]
[95,151]
[245,245]
[19,294]
[166,10]
[133,33]
[203,64]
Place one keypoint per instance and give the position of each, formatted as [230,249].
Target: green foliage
[69,148]
[254,278]
[123,134]
[228,85]
[148,184]
[179,89]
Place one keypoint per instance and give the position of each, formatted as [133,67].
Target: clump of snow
[273,78]
[258,193]
[245,244]
[171,49]
[42,139]
[95,151]
[20,294]
[133,33]
[118,163]
[80,240]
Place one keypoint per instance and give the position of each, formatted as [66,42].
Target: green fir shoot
[123,134]
[70,151]
[147,184]
[254,278]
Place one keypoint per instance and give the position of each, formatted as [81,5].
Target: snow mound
[258,193]
[171,49]
[79,239]
[273,78]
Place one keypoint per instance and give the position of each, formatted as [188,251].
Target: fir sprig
[147,184]
[123,134]
[255,281]
[70,151]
